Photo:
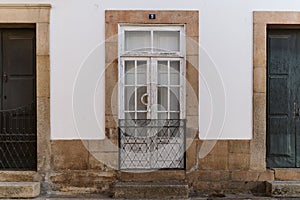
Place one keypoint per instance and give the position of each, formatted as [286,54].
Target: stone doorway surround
[261,20]
[37,15]
[190,18]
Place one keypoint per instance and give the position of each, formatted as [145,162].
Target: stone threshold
[283,189]
[151,190]
[16,176]
[19,189]
[287,174]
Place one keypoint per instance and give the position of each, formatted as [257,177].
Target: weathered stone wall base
[81,182]
[88,167]
[79,167]
[228,187]
[82,167]
[91,167]
[225,181]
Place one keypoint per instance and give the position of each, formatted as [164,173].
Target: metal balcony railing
[151,144]
[18,138]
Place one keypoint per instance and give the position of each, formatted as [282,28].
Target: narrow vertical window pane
[129,73]
[137,40]
[142,98]
[165,41]
[129,98]
[141,72]
[162,98]
[174,99]
[162,72]
[175,73]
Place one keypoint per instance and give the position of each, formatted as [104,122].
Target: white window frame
[152,58]
[125,27]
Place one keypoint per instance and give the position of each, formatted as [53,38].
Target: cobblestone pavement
[194,197]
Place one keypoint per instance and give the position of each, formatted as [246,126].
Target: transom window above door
[151,72]
[152,40]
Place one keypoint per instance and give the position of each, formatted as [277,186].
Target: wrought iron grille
[18,138]
[151,144]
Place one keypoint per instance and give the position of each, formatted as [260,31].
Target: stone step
[19,189]
[151,190]
[283,188]
[153,176]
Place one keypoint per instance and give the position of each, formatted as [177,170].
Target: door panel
[18,92]
[18,66]
[280,46]
[18,57]
[281,134]
[279,95]
[283,73]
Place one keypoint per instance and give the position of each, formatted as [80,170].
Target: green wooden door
[283,98]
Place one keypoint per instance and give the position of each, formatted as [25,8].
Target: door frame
[261,21]
[37,15]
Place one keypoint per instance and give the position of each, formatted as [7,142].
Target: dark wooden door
[18,100]
[283,98]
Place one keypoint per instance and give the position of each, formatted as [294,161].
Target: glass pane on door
[135,89]
[175,73]
[129,73]
[162,98]
[141,72]
[129,98]
[162,72]
[142,98]
[174,99]
[168,89]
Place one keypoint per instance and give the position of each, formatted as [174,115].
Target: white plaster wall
[77,53]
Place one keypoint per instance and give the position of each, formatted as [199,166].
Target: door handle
[5,78]
[143,99]
[296,112]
